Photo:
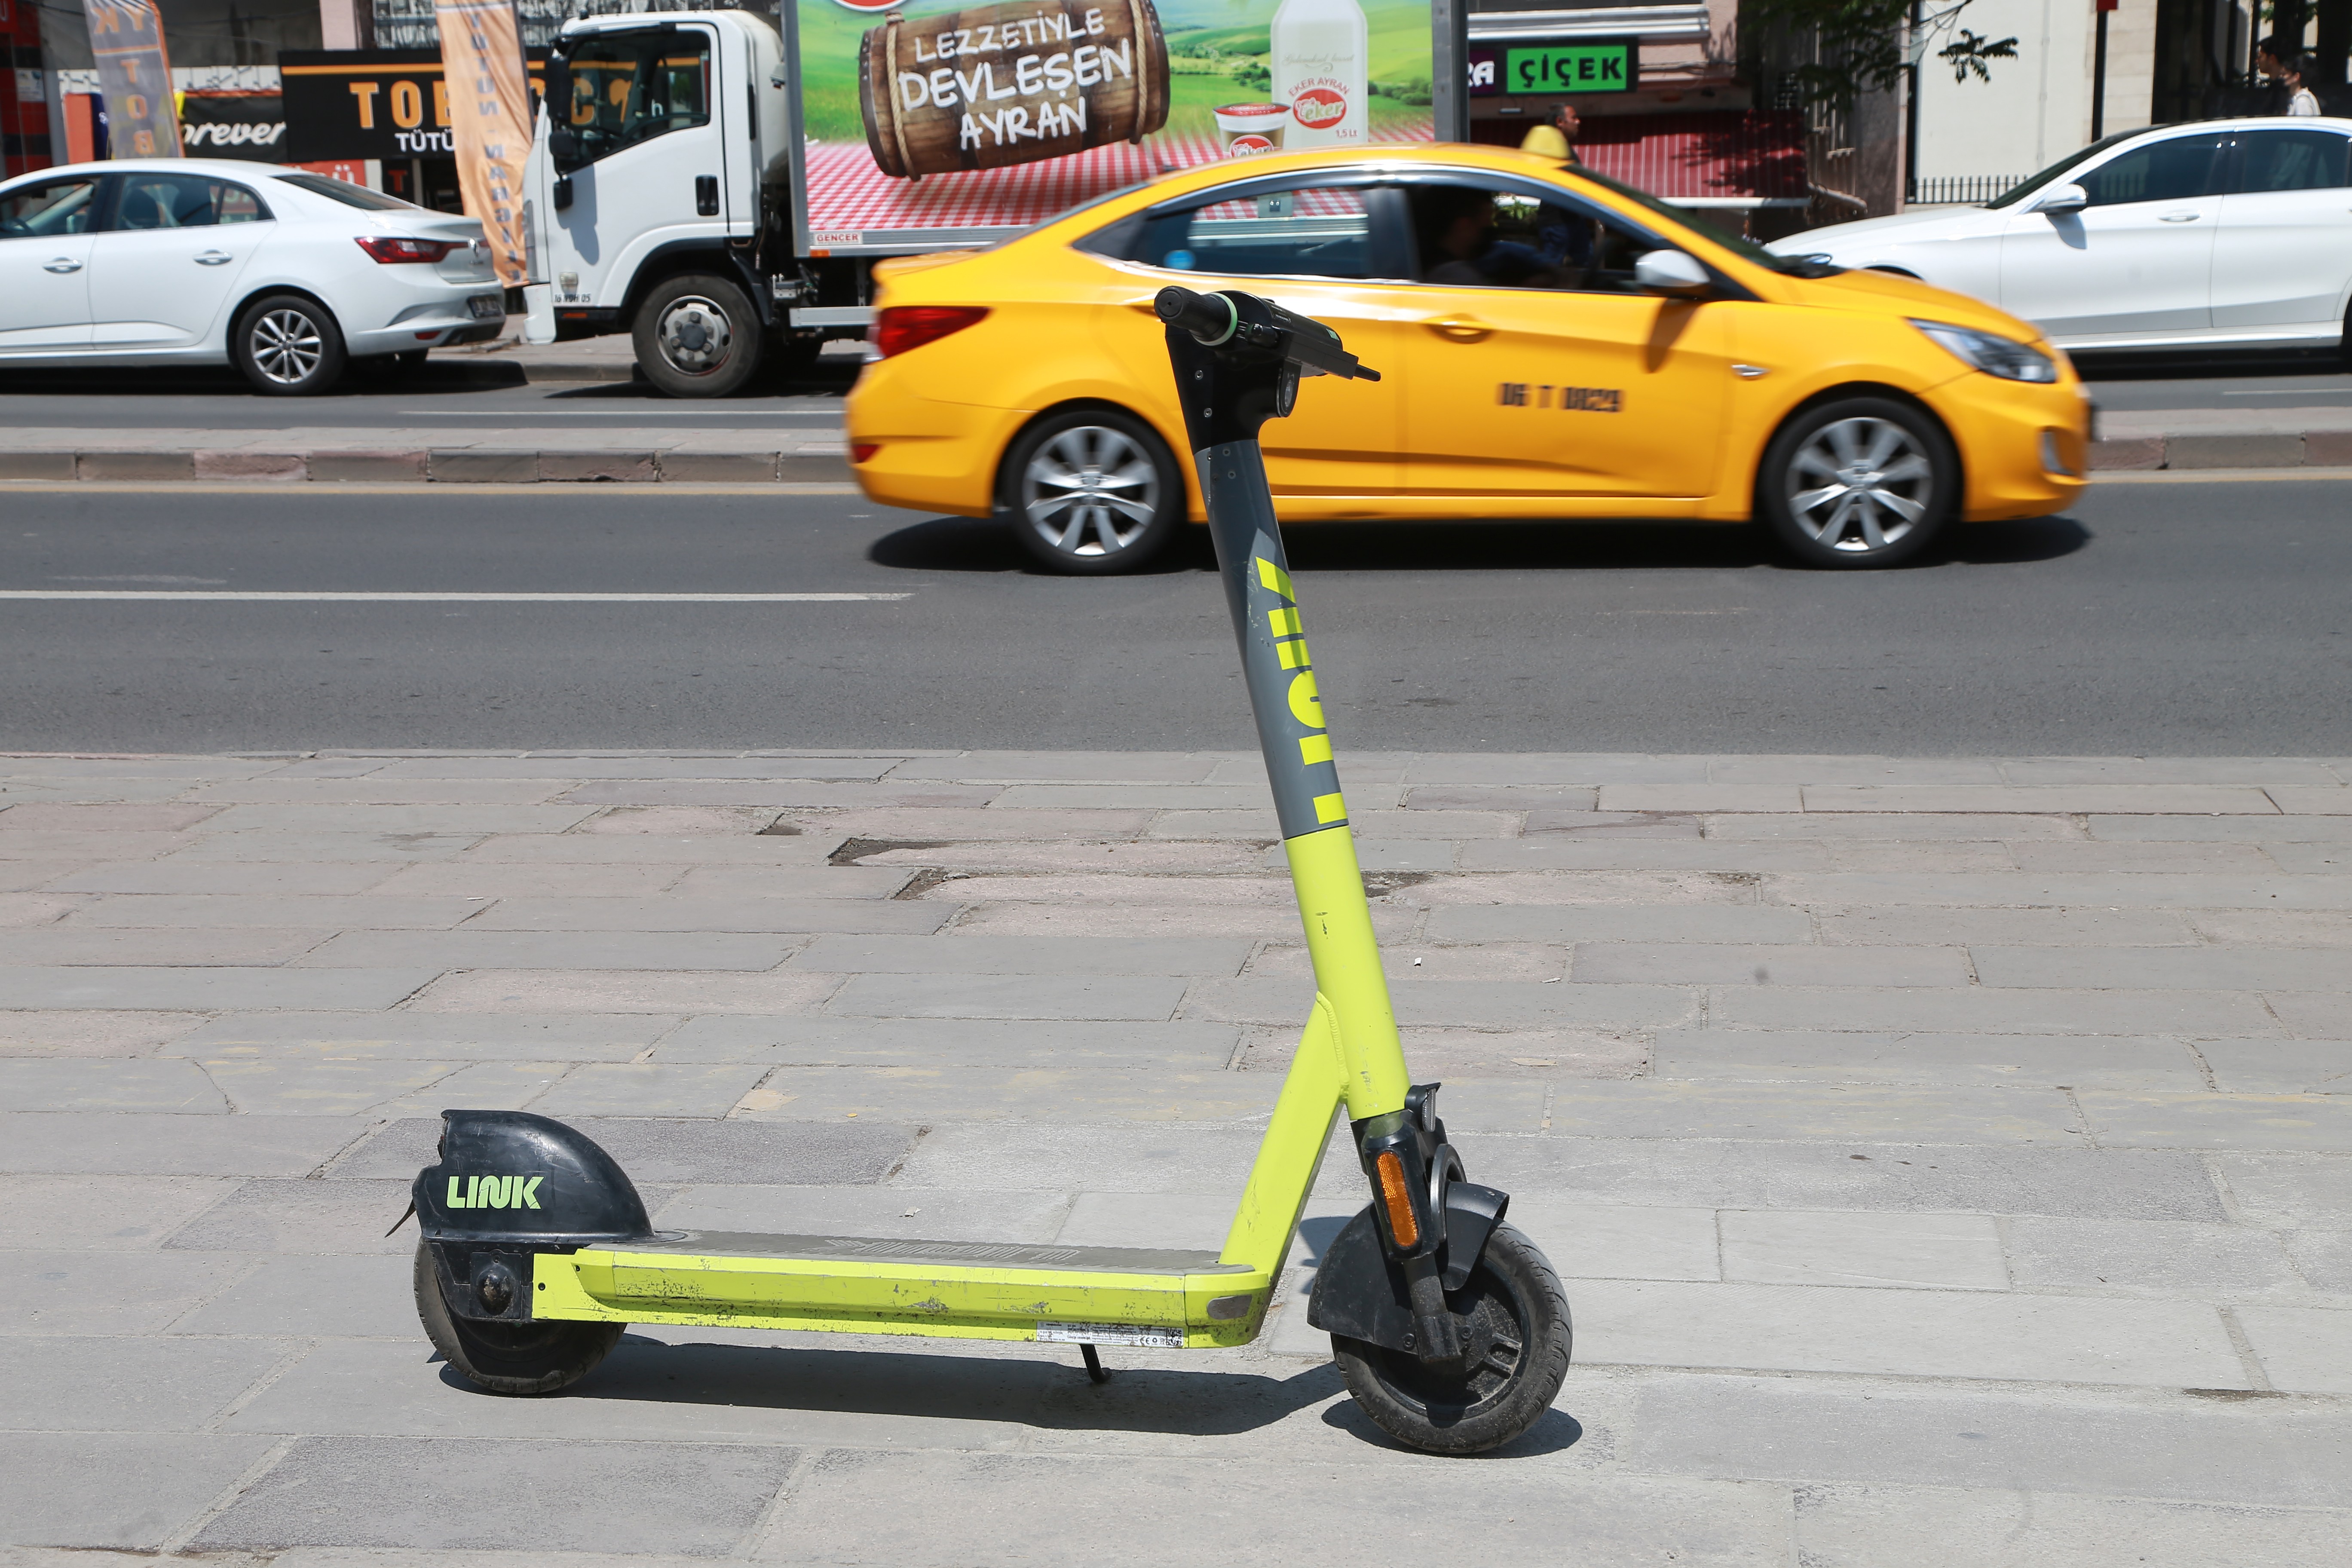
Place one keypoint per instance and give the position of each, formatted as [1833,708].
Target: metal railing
[1955,188]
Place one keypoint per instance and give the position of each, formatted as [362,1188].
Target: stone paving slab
[1939,1151]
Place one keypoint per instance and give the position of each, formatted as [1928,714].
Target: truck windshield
[628,88]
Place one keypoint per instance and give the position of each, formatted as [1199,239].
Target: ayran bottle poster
[927,115]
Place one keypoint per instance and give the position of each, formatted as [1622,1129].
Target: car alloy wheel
[1090,492]
[1860,484]
[287,346]
[693,334]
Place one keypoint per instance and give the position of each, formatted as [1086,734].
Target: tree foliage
[1862,44]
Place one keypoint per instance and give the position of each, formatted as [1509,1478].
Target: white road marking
[183,595]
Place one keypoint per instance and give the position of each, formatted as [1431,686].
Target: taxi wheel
[1092,491]
[1858,482]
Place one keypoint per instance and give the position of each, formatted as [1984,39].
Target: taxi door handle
[1461,329]
[2177,217]
[213,258]
[62,264]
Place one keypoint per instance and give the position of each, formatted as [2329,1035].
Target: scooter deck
[966,1289]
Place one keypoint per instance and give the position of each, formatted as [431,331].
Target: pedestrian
[2301,100]
[1555,137]
[2270,64]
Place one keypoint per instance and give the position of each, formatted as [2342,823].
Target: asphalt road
[2204,618]
[469,391]
[458,392]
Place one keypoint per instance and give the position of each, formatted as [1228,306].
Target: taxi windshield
[1745,249]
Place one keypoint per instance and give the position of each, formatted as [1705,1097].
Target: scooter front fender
[1360,1292]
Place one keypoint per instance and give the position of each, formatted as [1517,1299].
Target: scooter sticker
[1112,1334]
[493,1192]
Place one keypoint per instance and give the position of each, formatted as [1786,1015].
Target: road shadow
[1555,1431]
[435,377]
[1032,1391]
[2210,364]
[986,544]
[1023,1390]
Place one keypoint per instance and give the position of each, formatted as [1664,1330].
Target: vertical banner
[490,121]
[923,115]
[126,40]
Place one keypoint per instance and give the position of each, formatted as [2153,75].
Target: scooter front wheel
[1515,1336]
[509,1358]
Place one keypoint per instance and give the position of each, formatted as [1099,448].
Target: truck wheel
[697,336]
[1858,482]
[509,1358]
[1092,491]
[288,345]
[1516,1339]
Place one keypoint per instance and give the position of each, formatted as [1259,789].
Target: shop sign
[1554,68]
[233,125]
[371,103]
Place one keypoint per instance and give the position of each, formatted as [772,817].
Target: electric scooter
[1449,1326]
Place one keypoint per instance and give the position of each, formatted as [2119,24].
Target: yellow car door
[1321,244]
[1535,368]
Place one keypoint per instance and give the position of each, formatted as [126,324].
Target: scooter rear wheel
[1517,1334]
[517,1358]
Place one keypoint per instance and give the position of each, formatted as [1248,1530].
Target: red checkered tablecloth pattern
[849,194]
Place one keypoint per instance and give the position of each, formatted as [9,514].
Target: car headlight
[2004,357]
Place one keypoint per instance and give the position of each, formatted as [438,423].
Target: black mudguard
[1361,1293]
[508,1186]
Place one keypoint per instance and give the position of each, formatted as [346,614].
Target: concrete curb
[463,465]
[2308,449]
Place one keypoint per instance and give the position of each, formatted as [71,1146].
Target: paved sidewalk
[1950,1161]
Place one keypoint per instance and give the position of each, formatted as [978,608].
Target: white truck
[662,202]
[718,185]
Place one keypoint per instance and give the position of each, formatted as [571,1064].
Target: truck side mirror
[1673,273]
[563,194]
[564,146]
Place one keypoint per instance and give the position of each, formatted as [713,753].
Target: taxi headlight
[2003,357]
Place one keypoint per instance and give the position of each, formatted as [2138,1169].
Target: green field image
[1216,56]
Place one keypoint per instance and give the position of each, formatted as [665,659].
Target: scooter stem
[1227,391]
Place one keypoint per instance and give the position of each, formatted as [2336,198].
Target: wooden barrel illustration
[994,86]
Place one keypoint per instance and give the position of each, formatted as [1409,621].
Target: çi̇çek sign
[924,114]
[490,121]
[126,43]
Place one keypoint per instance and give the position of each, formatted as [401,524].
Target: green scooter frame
[1449,1326]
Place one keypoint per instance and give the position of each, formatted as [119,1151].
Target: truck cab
[660,185]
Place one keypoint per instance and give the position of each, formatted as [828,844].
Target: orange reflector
[1399,1198]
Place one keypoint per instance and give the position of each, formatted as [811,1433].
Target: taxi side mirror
[1672,273]
[2062,199]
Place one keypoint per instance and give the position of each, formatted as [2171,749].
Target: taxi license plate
[486,305]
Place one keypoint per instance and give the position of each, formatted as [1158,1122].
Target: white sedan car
[2223,234]
[289,276]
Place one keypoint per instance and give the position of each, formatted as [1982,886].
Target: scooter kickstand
[1095,1371]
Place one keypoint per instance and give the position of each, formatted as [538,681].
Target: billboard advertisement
[928,115]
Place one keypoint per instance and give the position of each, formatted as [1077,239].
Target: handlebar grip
[1210,318]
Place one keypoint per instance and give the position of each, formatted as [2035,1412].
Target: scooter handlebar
[1210,318]
[1216,320]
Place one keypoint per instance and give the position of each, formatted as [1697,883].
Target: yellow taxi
[1552,344]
